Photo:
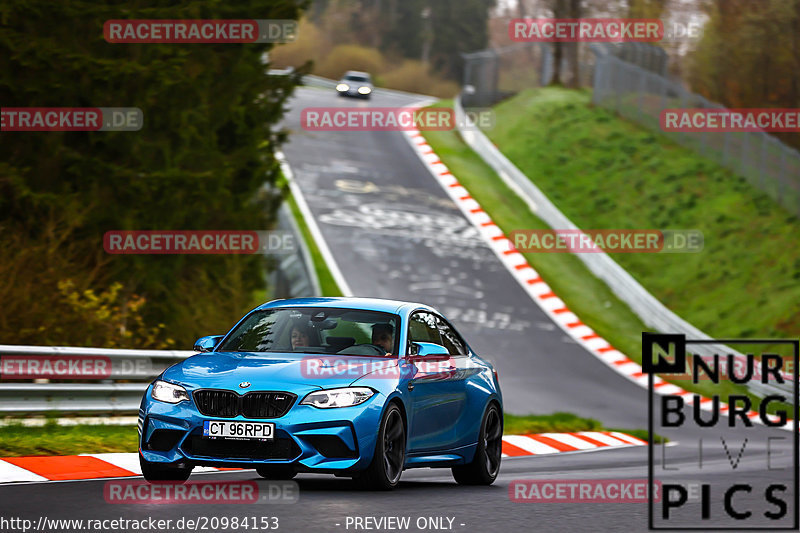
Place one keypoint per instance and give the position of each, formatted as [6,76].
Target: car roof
[374,304]
[356,73]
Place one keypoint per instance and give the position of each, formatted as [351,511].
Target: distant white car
[356,84]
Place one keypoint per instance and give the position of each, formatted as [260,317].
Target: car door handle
[410,386]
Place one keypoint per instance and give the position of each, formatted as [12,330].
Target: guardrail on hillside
[649,309]
[641,96]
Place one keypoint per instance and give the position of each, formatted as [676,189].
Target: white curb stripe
[570,440]
[126,461]
[602,437]
[529,445]
[9,472]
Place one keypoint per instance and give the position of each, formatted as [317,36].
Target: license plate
[238,430]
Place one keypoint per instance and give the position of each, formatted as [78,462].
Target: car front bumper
[337,440]
[354,93]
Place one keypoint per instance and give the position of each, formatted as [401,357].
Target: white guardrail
[651,311]
[79,380]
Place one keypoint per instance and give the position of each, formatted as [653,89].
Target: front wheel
[485,465]
[387,464]
[153,472]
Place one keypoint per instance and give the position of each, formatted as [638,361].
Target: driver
[383,336]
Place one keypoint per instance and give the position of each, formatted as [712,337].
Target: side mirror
[423,349]
[206,344]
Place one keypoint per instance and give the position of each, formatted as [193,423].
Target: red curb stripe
[547,295]
[523,266]
[590,439]
[490,223]
[575,324]
[58,468]
[464,198]
[562,310]
[476,210]
[456,184]
[498,237]
[535,280]
[590,337]
[605,349]
[558,445]
[514,451]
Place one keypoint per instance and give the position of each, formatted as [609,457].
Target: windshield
[361,79]
[315,330]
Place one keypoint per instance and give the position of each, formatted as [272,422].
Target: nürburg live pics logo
[731,462]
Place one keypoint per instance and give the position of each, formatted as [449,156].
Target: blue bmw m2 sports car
[355,387]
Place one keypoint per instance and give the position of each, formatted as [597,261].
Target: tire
[386,467]
[276,472]
[154,472]
[485,465]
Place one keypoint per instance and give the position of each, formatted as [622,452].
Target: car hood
[273,371]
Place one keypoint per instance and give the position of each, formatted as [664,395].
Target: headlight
[364,90]
[346,397]
[342,87]
[167,392]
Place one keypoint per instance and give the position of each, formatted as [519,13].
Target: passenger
[300,336]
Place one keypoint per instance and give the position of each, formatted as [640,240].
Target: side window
[422,328]
[450,339]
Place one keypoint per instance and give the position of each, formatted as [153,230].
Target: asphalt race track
[395,234]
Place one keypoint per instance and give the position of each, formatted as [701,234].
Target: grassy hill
[604,172]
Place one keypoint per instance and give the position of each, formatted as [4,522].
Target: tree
[206,149]
[749,55]
[459,26]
